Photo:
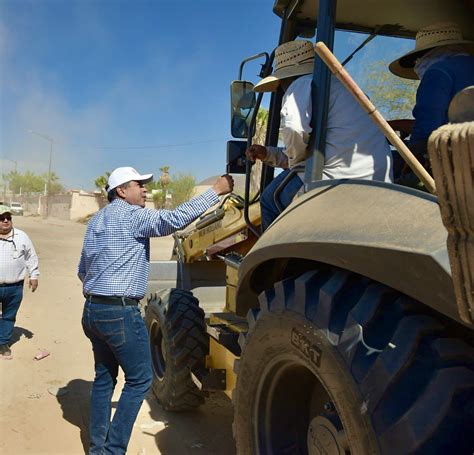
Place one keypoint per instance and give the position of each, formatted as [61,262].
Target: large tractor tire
[334,363]
[179,344]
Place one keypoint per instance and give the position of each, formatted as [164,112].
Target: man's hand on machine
[223,185]
[256,152]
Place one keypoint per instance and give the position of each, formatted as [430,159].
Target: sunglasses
[5,218]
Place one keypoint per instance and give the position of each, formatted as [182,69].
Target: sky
[132,82]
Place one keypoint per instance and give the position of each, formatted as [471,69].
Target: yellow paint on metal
[198,241]
[230,302]
[232,276]
[230,320]
[221,358]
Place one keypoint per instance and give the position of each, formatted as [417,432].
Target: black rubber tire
[179,344]
[398,382]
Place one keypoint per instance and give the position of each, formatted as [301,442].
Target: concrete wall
[60,206]
[71,206]
[83,204]
[31,204]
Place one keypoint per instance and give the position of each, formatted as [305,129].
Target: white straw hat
[436,35]
[123,175]
[294,58]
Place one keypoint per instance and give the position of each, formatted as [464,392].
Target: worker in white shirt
[18,261]
[355,148]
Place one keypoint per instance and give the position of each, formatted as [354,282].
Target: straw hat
[436,35]
[294,58]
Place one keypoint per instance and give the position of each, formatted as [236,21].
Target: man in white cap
[114,270]
[355,148]
[442,61]
[18,261]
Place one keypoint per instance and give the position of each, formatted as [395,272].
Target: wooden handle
[341,73]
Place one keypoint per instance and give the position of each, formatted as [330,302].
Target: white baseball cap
[126,174]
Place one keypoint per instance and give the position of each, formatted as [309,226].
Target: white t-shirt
[355,147]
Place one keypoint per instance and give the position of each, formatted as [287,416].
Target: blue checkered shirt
[116,251]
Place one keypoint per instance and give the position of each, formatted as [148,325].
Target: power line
[141,147]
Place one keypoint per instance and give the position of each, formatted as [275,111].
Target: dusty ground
[35,421]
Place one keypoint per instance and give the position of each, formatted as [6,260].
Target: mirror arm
[248,165]
[249,59]
[248,170]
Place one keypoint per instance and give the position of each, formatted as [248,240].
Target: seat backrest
[461,108]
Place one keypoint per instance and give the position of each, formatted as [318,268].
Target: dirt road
[35,419]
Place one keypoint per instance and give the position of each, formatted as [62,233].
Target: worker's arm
[273,156]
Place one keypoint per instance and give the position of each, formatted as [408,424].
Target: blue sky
[140,83]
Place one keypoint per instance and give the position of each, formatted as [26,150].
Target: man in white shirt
[18,261]
[355,148]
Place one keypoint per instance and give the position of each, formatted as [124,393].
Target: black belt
[115,300]
[18,283]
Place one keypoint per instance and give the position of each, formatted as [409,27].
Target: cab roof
[400,18]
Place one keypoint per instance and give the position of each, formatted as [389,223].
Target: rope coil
[451,150]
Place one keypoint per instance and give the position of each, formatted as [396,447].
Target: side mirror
[242,106]
[236,160]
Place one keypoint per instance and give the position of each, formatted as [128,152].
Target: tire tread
[402,359]
[188,342]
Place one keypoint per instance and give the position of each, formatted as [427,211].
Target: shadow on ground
[207,430]
[74,401]
[19,332]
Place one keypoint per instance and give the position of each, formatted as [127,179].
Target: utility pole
[48,185]
[5,183]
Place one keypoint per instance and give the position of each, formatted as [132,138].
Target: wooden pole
[341,73]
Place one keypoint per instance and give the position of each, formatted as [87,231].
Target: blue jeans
[10,297]
[119,338]
[267,202]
